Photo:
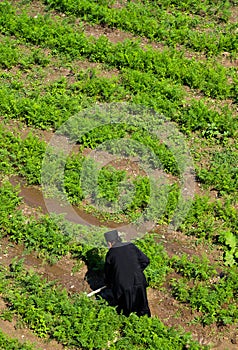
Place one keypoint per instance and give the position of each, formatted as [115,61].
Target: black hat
[112,236]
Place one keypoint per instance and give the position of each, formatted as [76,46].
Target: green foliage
[198,117]
[151,90]
[194,268]
[159,261]
[150,333]
[29,158]
[216,301]
[51,312]
[164,154]
[200,219]
[141,69]
[9,198]
[41,235]
[43,109]
[99,88]
[142,194]
[72,175]
[23,156]
[98,135]
[9,54]
[52,237]
[216,221]
[229,239]
[9,202]
[108,182]
[222,173]
[53,105]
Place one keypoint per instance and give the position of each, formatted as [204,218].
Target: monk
[124,266]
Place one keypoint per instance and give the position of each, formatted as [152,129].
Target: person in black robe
[124,266]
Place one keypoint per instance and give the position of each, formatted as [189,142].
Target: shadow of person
[95,259]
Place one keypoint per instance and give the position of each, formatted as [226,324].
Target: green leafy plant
[216,301]
[194,268]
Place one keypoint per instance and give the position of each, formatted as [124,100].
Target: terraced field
[118,114]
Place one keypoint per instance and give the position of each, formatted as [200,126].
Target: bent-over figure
[124,266]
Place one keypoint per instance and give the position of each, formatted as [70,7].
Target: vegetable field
[123,113]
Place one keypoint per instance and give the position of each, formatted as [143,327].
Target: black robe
[124,267]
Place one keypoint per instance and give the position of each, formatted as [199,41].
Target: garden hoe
[96,291]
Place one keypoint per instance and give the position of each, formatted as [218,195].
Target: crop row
[217,300]
[54,237]
[169,26]
[61,37]
[213,294]
[45,107]
[222,173]
[148,77]
[11,55]
[54,104]
[208,7]
[215,221]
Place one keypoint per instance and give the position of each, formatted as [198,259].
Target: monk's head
[112,237]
